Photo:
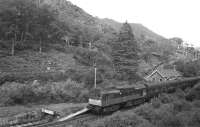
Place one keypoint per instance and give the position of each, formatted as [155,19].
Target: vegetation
[48,51]
[38,92]
[125,54]
[168,110]
[22,21]
[188,69]
[53,41]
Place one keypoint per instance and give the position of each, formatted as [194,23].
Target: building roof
[154,72]
[169,73]
[165,73]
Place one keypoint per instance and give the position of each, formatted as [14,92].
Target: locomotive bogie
[111,108]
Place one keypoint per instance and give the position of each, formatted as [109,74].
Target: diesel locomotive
[110,100]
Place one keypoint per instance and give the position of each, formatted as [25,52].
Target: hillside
[80,28]
[67,11]
[139,30]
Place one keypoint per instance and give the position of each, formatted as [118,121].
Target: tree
[23,20]
[42,25]
[188,69]
[125,57]
[149,47]
[177,40]
[89,35]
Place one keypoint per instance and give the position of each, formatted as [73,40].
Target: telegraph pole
[95,75]
[38,3]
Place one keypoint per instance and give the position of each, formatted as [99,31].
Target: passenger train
[109,100]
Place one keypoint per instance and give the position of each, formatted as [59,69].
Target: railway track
[80,118]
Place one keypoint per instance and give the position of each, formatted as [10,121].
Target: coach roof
[135,86]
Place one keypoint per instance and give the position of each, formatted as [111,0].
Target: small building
[160,75]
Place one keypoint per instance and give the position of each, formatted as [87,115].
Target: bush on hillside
[43,76]
[57,92]
[196,103]
[146,111]
[156,103]
[194,93]
[86,76]
[169,120]
[16,93]
[195,119]
[181,105]
[179,94]
[188,69]
[165,98]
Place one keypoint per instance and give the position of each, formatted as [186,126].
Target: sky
[169,18]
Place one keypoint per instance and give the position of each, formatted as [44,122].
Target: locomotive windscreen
[95,93]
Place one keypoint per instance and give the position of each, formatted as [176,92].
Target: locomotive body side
[119,97]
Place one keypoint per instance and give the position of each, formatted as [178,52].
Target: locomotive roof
[140,86]
[110,91]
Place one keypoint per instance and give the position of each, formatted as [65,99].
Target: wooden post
[13,47]
[90,45]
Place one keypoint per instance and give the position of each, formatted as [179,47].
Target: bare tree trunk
[13,47]
[22,36]
[67,43]
[90,45]
[13,44]
[25,32]
[40,46]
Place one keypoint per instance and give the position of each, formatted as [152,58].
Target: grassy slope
[30,61]
[63,109]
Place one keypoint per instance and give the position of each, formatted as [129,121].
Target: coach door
[105,100]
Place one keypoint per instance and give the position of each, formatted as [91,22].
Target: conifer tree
[125,57]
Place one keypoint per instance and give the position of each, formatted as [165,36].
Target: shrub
[195,119]
[194,93]
[180,94]
[166,98]
[121,119]
[185,117]
[146,111]
[15,93]
[181,105]
[155,102]
[196,103]
[45,76]
[170,120]
[68,91]
[188,69]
